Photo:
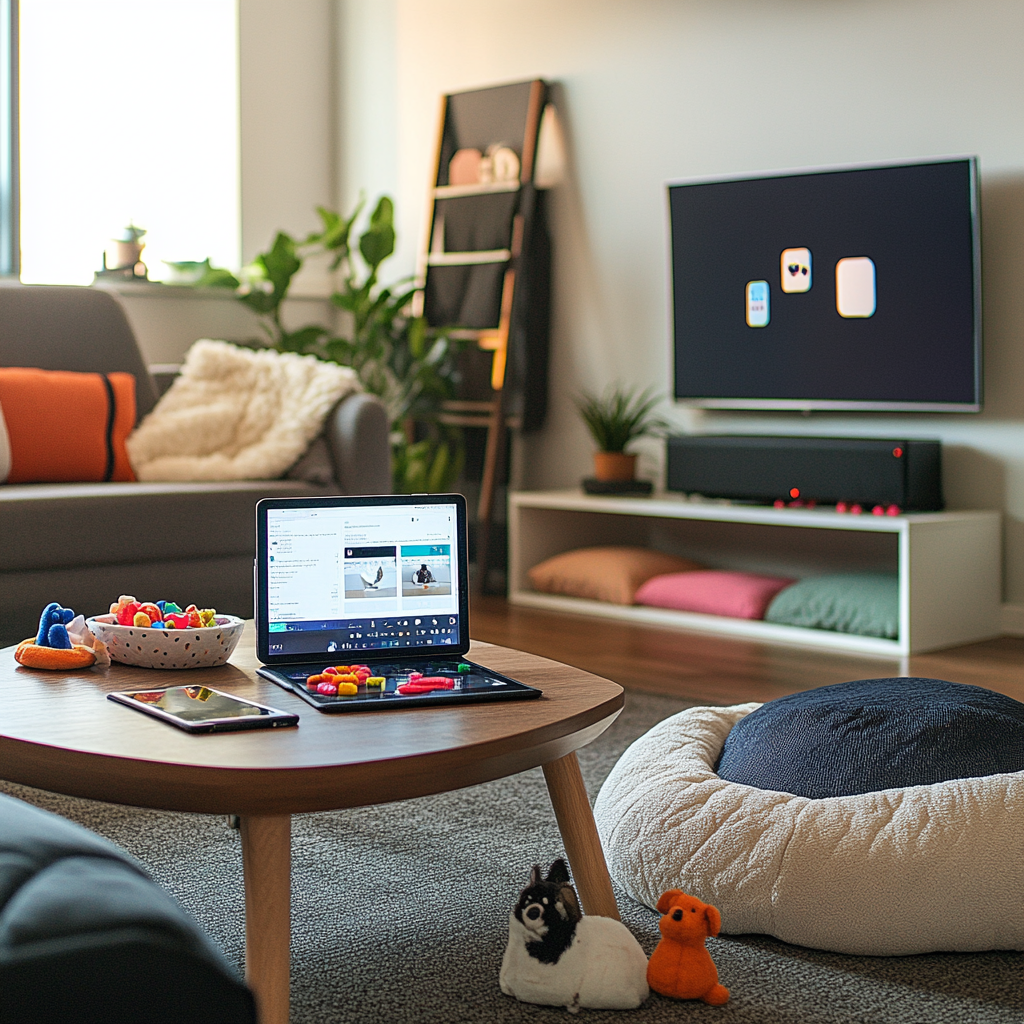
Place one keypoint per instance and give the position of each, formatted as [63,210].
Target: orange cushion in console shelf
[57,425]
[607,573]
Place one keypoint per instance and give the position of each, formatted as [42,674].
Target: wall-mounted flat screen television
[842,288]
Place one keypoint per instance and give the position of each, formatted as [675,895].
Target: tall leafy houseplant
[396,356]
[614,419]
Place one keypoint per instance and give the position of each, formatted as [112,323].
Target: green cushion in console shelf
[863,603]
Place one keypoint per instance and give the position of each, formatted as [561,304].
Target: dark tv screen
[855,288]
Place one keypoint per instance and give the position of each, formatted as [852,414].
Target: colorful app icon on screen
[796,270]
[758,313]
[855,286]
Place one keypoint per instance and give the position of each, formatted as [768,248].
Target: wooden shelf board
[464,259]
[671,506]
[489,188]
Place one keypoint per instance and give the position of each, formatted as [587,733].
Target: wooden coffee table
[59,733]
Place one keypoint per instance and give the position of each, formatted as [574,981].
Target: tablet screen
[374,576]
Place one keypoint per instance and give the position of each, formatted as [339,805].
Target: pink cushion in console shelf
[740,595]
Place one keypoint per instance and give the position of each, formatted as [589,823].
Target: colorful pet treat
[377,681]
[464,668]
[161,614]
[426,684]
[126,614]
[334,681]
[122,602]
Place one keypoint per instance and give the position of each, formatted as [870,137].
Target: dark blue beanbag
[874,734]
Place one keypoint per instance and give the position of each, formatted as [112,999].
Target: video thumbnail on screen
[426,570]
[370,573]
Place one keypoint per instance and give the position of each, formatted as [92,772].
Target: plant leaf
[281,264]
[378,242]
[217,277]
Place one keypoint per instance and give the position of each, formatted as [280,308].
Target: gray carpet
[400,914]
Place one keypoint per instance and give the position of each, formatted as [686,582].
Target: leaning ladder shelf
[948,563]
[512,324]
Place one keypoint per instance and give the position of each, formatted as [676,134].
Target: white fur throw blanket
[237,414]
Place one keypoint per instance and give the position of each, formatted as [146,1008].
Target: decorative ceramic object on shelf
[123,259]
[145,647]
[614,419]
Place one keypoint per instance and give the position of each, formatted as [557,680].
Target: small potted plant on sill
[614,419]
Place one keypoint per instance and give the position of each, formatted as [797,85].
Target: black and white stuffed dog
[557,957]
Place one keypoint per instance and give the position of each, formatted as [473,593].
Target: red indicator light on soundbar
[794,492]
[897,453]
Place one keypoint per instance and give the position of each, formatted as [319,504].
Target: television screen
[854,288]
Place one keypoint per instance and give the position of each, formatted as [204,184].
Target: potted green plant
[614,419]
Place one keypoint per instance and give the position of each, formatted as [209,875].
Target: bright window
[129,113]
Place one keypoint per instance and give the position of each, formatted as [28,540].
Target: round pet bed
[916,869]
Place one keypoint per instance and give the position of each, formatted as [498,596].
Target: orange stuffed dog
[680,967]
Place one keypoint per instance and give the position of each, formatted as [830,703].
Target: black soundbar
[869,472]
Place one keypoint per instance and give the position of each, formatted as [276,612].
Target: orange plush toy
[680,967]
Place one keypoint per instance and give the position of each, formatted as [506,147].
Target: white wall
[287,114]
[656,90]
[367,83]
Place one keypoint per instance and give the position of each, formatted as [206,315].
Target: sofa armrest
[357,436]
[163,375]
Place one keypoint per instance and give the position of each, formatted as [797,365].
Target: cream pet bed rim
[947,859]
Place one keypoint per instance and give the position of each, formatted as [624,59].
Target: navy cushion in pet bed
[875,734]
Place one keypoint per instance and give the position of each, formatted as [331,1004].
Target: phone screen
[196,704]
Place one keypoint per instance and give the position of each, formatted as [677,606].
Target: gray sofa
[83,544]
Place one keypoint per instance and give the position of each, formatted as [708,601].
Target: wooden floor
[723,670]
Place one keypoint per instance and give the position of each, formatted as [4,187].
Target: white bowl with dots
[146,647]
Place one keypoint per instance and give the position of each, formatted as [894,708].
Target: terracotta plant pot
[614,466]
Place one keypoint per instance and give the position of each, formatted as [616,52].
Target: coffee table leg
[579,833]
[266,864]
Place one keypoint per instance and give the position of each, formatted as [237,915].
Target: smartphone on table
[204,709]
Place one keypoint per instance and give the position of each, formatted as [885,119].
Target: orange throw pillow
[58,425]
[612,574]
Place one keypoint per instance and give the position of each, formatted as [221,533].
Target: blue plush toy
[53,627]
[53,647]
